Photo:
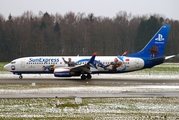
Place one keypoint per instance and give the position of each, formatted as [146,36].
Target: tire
[20,76]
[83,77]
[89,76]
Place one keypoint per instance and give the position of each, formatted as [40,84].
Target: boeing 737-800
[67,66]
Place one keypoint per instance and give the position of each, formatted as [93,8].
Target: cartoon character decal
[48,68]
[117,65]
[69,62]
[114,66]
[154,51]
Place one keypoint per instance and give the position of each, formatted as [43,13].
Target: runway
[171,88]
[77,81]
[94,95]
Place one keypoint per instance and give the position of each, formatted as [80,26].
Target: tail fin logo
[160,37]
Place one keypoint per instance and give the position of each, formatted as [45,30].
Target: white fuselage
[43,64]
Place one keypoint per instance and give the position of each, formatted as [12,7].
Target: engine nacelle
[64,72]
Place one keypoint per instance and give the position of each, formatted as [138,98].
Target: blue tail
[155,47]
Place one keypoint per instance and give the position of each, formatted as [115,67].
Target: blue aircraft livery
[45,60]
[155,47]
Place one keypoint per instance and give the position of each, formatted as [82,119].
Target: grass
[2,66]
[91,108]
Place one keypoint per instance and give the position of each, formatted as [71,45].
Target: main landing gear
[20,76]
[88,76]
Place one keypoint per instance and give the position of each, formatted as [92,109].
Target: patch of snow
[93,89]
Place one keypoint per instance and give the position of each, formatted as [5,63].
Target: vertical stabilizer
[156,46]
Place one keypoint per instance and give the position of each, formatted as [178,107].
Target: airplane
[151,55]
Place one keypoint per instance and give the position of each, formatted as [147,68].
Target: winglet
[91,61]
[125,53]
[95,53]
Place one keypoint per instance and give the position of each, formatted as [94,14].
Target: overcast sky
[106,8]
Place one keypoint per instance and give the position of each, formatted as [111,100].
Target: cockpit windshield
[13,62]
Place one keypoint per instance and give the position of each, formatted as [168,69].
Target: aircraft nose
[7,67]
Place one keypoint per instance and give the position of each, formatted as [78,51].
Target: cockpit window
[13,62]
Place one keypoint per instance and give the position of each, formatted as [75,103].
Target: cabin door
[22,64]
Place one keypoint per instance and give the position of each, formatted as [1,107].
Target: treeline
[73,34]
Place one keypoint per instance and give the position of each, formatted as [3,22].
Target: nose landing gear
[20,76]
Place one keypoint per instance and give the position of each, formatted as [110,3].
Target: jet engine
[65,72]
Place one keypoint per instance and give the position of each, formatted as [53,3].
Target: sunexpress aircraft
[67,66]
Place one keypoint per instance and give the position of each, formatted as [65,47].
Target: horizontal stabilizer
[162,58]
[168,57]
[158,59]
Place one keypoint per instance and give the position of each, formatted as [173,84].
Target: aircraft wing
[81,68]
[86,67]
[77,69]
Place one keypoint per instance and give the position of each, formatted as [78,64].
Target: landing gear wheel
[88,76]
[20,76]
[83,77]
